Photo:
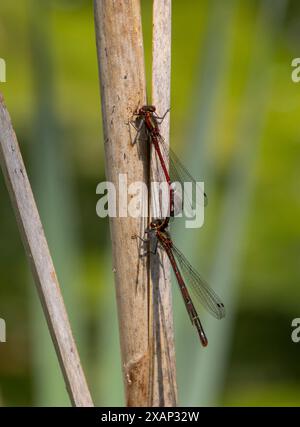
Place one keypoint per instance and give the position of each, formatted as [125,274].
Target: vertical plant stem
[123,90]
[122,83]
[54,195]
[236,208]
[160,281]
[200,155]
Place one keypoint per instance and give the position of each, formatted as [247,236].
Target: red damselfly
[183,269]
[178,172]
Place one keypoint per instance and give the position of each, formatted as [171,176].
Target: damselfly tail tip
[201,332]
[203,339]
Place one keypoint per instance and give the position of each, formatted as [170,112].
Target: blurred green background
[234,121]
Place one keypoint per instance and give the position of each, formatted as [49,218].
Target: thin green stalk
[207,97]
[237,206]
[58,211]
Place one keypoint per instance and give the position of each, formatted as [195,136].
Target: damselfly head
[147,109]
[156,223]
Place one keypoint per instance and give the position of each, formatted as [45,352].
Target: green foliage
[262,361]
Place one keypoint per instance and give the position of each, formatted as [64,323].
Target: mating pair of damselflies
[158,227]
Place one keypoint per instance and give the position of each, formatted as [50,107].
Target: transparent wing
[179,173]
[199,287]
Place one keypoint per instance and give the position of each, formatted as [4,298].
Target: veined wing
[179,173]
[199,287]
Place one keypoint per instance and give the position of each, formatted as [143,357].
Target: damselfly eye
[156,223]
[147,108]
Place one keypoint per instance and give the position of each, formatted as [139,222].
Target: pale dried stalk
[38,254]
[122,83]
[123,90]
[164,351]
